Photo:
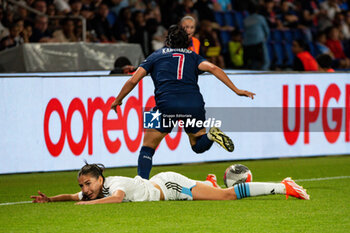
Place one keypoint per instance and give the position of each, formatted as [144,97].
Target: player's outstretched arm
[128,86]
[220,74]
[117,197]
[42,198]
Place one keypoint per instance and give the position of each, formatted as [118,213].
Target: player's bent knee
[198,150]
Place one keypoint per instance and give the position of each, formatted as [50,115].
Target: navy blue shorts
[181,107]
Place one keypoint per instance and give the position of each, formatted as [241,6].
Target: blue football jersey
[173,70]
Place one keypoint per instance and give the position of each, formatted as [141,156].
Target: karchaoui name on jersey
[181,50]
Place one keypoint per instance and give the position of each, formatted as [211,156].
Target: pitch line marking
[318,179]
[15,203]
[324,178]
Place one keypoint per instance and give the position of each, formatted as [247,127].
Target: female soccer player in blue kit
[174,71]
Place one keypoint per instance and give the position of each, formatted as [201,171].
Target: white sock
[260,188]
[253,189]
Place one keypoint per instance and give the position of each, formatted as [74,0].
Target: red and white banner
[54,123]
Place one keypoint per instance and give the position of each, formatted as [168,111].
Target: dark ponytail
[93,169]
[177,37]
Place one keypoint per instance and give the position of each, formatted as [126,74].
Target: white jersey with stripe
[135,189]
[174,186]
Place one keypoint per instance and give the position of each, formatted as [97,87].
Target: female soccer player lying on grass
[95,188]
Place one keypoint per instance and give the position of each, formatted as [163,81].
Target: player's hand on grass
[42,198]
[115,104]
[245,93]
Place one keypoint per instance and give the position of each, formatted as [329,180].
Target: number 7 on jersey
[180,66]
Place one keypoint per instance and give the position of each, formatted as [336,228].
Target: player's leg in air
[287,187]
[202,141]
[185,104]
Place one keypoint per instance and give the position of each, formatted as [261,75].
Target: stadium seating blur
[145,22]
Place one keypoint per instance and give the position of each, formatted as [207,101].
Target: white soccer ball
[237,173]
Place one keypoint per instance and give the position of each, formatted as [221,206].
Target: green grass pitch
[327,211]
